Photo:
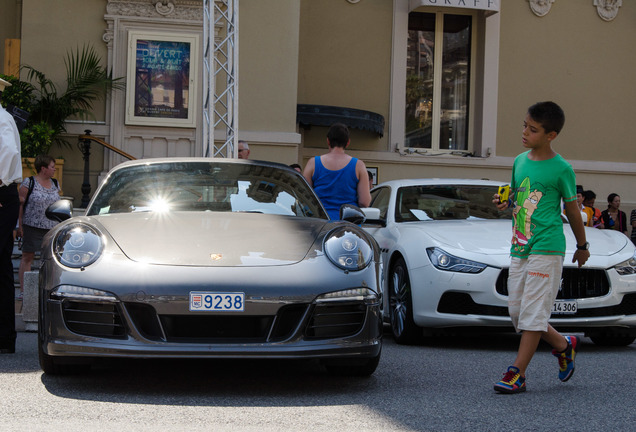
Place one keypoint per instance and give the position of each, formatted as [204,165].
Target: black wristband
[585,246]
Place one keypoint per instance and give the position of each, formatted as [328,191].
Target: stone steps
[16,256]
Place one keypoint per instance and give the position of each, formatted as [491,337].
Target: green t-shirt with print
[539,187]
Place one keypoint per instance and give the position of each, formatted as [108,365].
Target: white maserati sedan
[445,249]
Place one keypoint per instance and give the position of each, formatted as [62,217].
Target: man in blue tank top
[336,177]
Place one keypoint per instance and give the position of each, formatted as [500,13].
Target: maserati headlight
[627,267]
[445,261]
[348,250]
[77,245]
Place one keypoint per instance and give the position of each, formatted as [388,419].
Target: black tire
[404,329]
[609,339]
[356,367]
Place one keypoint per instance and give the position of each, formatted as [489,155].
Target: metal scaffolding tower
[220,77]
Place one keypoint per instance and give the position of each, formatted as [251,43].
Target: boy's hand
[581,256]
[501,206]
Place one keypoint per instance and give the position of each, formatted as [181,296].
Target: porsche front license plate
[217,302]
[564,307]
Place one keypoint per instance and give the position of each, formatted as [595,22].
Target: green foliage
[20,94]
[86,82]
[36,139]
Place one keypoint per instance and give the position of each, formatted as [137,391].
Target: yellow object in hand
[504,192]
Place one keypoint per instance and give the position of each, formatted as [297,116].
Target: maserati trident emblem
[216,256]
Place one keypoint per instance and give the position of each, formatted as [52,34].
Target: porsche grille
[322,321]
[93,319]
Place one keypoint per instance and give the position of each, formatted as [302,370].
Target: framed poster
[162,79]
[374,173]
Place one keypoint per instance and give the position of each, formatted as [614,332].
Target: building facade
[430,88]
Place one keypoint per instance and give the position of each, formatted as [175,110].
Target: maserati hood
[211,239]
[493,237]
[481,237]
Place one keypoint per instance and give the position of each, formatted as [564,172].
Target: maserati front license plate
[564,307]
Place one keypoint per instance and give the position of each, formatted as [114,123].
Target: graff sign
[490,5]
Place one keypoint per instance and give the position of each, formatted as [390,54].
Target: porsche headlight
[445,261]
[82,294]
[348,250]
[77,245]
[627,267]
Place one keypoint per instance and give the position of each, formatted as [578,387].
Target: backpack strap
[31,186]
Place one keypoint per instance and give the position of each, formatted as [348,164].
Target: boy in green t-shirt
[541,178]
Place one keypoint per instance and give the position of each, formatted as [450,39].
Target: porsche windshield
[444,202]
[206,186]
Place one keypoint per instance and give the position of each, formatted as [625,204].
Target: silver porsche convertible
[208,258]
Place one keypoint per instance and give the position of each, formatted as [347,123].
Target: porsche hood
[211,239]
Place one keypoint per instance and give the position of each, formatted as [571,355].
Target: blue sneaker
[512,382]
[566,358]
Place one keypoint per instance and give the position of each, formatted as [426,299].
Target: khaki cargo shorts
[533,284]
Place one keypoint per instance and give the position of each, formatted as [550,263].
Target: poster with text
[162,82]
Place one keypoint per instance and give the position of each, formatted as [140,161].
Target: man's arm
[22,193]
[9,149]
[364,196]
[308,173]
[573,214]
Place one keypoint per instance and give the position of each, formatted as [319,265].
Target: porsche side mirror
[351,213]
[60,210]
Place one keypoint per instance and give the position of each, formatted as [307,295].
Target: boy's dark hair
[549,114]
[588,195]
[42,161]
[338,135]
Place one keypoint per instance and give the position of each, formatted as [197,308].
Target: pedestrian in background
[36,194]
[614,218]
[243,150]
[336,177]
[10,175]
[632,220]
[593,214]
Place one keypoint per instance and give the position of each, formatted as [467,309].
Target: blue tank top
[335,188]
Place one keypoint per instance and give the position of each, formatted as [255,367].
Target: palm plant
[86,82]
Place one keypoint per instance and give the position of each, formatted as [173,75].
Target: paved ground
[443,386]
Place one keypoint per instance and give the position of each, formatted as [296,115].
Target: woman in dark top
[613,218]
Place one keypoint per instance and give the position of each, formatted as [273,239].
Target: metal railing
[84,146]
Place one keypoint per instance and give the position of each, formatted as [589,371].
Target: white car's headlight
[348,250]
[445,261]
[77,245]
[627,267]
